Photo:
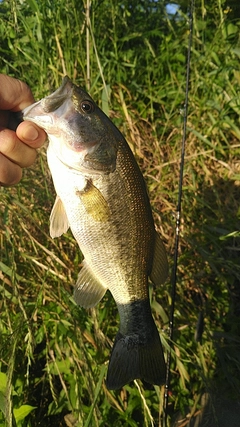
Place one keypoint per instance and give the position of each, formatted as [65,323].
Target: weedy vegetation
[131,56]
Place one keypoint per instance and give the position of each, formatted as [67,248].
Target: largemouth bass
[102,197]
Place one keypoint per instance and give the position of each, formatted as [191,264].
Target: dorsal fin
[159,271]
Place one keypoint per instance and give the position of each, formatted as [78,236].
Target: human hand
[17,146]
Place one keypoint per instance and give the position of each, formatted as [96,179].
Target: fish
[102,196]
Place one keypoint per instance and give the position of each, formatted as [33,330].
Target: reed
[53,354]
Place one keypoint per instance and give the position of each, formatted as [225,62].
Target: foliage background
[131,56]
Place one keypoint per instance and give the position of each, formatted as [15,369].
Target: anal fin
[88,290]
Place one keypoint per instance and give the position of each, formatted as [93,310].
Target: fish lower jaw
[74,162]
[57,153]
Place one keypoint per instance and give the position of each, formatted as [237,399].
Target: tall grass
[53,354]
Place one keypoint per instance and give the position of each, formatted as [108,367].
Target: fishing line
[178,215]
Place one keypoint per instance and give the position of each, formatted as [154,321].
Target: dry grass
[53,355]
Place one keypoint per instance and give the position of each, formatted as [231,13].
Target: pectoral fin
[58,219]
[88,290]
[94,202]
[159,272]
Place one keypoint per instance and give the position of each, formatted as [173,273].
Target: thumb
[31,134]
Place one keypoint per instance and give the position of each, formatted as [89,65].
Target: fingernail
[31,133]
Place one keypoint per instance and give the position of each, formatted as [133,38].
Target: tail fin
[132,358]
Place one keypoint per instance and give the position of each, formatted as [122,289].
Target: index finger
[16,94]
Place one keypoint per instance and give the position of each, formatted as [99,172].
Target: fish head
[80,134]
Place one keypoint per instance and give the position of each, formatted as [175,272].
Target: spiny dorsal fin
[58,219]
[94,202]
[159,271]
[88,290]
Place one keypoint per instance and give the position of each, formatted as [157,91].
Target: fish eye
[87,107]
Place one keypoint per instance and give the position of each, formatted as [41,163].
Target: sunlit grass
[53,354]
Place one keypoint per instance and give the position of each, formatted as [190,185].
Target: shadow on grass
[215,240]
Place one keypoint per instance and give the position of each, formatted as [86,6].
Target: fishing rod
[178,215]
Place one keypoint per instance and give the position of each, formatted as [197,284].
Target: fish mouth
[48,105]
[42,121]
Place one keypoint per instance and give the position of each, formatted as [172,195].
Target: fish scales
[102,196]
[105,242]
